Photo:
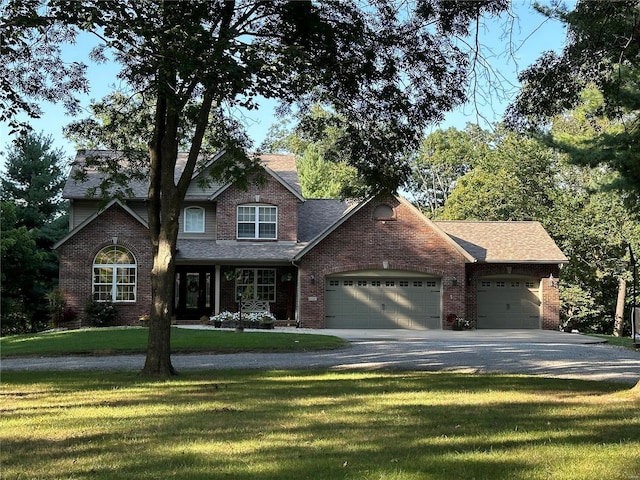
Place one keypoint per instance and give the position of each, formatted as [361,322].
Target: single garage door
[376,301]
[508,303]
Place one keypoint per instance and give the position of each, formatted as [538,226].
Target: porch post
[216,292]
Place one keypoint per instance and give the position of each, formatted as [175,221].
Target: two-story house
[321,263]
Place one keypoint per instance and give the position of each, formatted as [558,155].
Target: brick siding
[78,253]
[271,192]
[406,242]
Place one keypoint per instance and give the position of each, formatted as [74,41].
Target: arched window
[114,275]
[383,212]
[194,220]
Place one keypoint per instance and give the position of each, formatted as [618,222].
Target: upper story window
[114,275]
[257,221]
[194,220]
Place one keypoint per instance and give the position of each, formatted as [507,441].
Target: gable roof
[356,208]
[504,242]
[91,218]
[284,167]
[281,167]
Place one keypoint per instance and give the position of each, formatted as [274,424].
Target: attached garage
[383,299]
[509,302]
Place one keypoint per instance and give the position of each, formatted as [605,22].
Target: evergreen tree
[33,219]
[33,180]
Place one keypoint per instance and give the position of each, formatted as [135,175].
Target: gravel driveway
[549,354]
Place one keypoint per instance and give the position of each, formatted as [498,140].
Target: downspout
[296,313]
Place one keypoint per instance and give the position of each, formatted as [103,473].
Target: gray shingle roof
[316,215]
[522,242]
[283,166]
[208,250]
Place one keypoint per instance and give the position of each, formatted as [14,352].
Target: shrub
[101,314]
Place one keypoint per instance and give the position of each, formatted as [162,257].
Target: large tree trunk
[158,361]
[618,323]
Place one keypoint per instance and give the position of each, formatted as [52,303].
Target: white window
[256,284]
[114,275]
[194,220]
[257,221]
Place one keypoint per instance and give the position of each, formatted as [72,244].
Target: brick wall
[78,253]
[404,242]
[271,192]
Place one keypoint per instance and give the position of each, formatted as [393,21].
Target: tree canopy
[602,51]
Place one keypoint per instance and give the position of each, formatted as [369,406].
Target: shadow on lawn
[299,425]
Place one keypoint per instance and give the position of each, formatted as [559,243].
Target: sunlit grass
[316,425]
[134,340]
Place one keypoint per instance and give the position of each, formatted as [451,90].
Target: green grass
[618,341]
[315,425]
[134,340]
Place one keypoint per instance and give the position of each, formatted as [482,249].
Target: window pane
[246,230]
[103,275]
[246,214]
[267,230]
[266,292]
[267,276]
[115,254]
[102,293]
[267,214]
[125,293]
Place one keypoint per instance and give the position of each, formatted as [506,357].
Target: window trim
[256,221]
[194,208]
[116,268]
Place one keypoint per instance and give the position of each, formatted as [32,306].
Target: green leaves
[602,53]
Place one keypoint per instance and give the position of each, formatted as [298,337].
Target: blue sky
[531,36]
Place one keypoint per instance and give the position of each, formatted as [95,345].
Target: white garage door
[508,303]
[376,301]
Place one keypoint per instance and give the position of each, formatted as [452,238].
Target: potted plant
[144,319]
[267,321]
[457,323]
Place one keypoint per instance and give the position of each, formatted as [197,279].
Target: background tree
[514,179]
[33,180]
[522,178]
[608,210]
[444,157]
[387,68]
[323,170]
[20,268]
[34,218]
[603,50]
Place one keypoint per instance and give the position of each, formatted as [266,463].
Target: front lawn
[626,342]
[134,340]
[315,425]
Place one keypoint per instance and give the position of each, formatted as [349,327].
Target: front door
[193,292]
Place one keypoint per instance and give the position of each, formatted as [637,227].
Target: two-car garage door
[382,300]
